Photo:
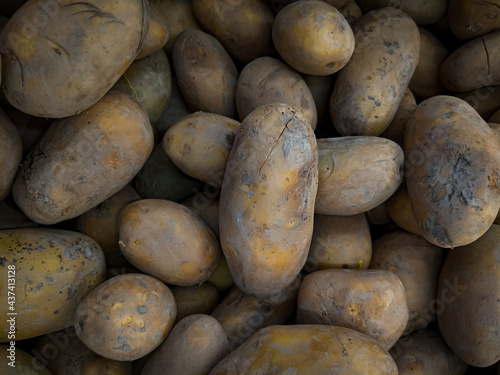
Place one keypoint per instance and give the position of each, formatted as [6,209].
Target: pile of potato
[250,187]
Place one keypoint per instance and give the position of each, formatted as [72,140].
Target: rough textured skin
[396,129]
[267,199]
[370,87]
[266,80]
[424,12]
[158,32]
[452,171]
[472,18]
[199,145]
[307,349]
[49,52]
[243,27]
[469,286]
[194,346]
[23,363]
[54,270]
[205,73]
[313,37]
[81,161]
[416,263]
[356,174]
[196,299]
[400,211]
[369,301]
[11,152]
[126,317]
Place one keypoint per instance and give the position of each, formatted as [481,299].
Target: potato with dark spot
[472,18]
[351,12]
[11,152]
[196,299]
[424,12]
[23,363]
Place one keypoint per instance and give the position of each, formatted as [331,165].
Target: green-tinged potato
[416,263]
[205,73]
[206,204]
[469,291]
[196,299]
[307,349]
[425,352]
[158,31]
[452,171]
[339,242]
[321,88]
[369,89]
[378,215]
[12,217]
[168,241]
[199,145]
[313,37]
[351,12]
[221,278]
[81,161]
[149,82]
[267,199]
[356,174]
[242,315]
[176,110]
[372,302]
[18,362]
[266,80]
[30,128]
[473,18]
[126,317]
[194,346]
[485,100]
[49,52]
[11,152]
[399,209]
[51,271]
[396,129]
[243,27]
[423,12]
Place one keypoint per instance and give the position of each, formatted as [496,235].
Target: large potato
[11,152]
[472,18]
[424,12]
[81,161]
[452,171]
[49,52]
[267,199]
[50,271]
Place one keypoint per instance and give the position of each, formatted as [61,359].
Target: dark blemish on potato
[330,64]
[56,312]
[121,339]
[108,318]
[142,309]
[59,256]
[142,283]
[70,291]
[48,278]
[377,103]
[143,329]
[124,347]
[446,115]
[39,286]
[3,261]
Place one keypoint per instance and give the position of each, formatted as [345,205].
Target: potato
[177,109]
[351,12]
[126,317]
[313,37]
[378,215]
[195,345]
[469,290]
[307,349]
[372,302]
[50,53]
[196,299]
[267,199]
[485,100]
[321,87]
[396,129]
[242,315]
[399,209]
[81,161]
[451,171]
[339,242]
[494,118]
[266,80]
[206,75]
[356,174]
[243,27]
[416,263]
[50,271]
[158,31]
[423,12]
[11,152]
[11,217]
[471,19]
[369,89]
[221,278]
[339,3]
[168,241]
[199,145]
[20,363]
[207,206]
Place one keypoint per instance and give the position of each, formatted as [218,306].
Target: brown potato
[485,100]
[11,152]
[207,206]
[423,12]
[18,362]
[221,278]
[196,299]
[321,87]
[176,110]
[471,19]
[11,217]
[351,12]
[400,211]
[158,32]
[396,129]
[378,215]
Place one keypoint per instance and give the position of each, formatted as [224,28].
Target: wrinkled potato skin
[400,210]
[11,152]
[472,18]
[423,12]
[158,32]
[356,174]
[370,87]
[196,299]
[396,129]
[55,269]
[281,349]
[53,72]
[372,302]
[23,363]
[81,161]
[469,284]
[126,317]
[271,177]
[452,171]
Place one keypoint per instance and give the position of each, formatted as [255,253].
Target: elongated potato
[267,199]
[471,19]
[51,271]
[11,152]
[452,171]
[81,161]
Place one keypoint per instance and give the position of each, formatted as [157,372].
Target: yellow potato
[158,32]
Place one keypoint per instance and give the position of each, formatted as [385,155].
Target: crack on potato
[285,128]
[487,55]
[95,12]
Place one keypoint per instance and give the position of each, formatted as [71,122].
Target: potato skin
[81,161]
[471,19]
[11,152]
[302,348]
[396,129]
[54,270]
[399,208]
[267,199]
[23,363]
[423,12]
[196,299]
[50,70]
[370,87]
[158,32]
[452,171]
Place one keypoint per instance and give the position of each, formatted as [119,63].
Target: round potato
[400,211]
[396,129]
[424,12]
[158,32]
[471,19]
[196,299]
[11,152]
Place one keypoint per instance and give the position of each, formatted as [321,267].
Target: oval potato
[471,19]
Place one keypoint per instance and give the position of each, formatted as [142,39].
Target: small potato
[11,152]
[21,363]
[356,174]
[126,317]
[158,32]
[196,299]
[313,37]
[423,12]
[199,145]
[372,302]
[168,241]
[396,129]
[205,204]
[351,12]
[399,209]
[471,19]
[194,346]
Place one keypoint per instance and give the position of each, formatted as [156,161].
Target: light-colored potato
[196,299]
[400,211]
[424,12]
[20,363]
[11,152]
[473,18]
[158,32]
[396,129]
